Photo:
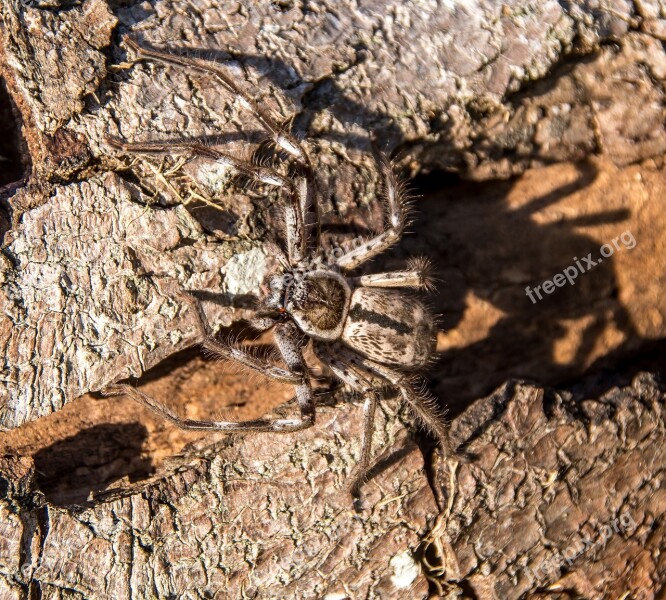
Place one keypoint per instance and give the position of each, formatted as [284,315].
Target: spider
[367,329]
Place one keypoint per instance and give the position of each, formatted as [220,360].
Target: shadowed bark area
[485,90]
[555,495]
[560,496]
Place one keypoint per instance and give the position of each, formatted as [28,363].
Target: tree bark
[485,90]
[557,494]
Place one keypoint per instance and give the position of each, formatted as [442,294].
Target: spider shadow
[491,252]
[69,471]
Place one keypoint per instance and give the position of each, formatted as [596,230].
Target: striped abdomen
[390,327]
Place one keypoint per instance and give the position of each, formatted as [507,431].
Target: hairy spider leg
[280,137]
[424,407]
[417,275]
[295,236]
[421,403]
[397,212]
[293,356]
[359,382]
[223,350]
[290,342]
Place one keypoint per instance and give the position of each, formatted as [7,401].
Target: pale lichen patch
[245,272]
[405,569]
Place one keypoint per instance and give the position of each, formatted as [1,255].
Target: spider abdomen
[390,327]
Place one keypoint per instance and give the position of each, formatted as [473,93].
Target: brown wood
[97,245]
[548,481]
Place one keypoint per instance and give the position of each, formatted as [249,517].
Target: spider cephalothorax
[369,329]
[317,301]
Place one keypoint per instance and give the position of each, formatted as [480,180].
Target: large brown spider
[369,332]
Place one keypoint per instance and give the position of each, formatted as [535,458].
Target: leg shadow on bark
[71,470]
[490,244]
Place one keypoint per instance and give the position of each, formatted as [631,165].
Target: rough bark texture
[561,495]
[242,518]
[92,252]
[551,480]
[484,89]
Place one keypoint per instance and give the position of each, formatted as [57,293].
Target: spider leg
[397,221]
[292,354]
[296,243]
[255,425]
[218,348]
[290,342]
[356,380]
[282,139]
[422,405]
[417,276]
